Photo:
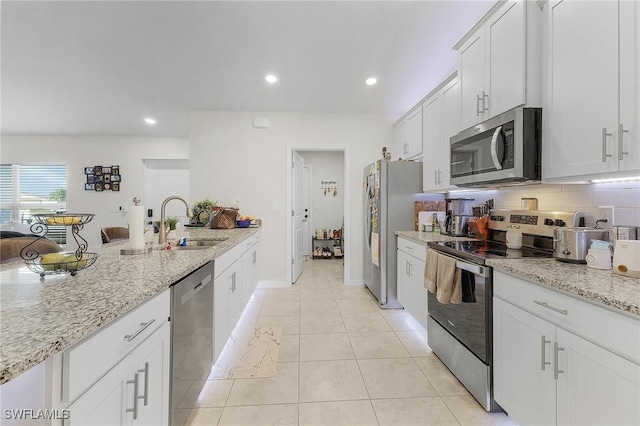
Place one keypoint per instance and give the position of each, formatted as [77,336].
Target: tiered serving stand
[83,258]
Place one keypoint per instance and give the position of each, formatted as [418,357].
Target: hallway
[341,361]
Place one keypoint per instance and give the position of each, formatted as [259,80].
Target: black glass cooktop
[479,251]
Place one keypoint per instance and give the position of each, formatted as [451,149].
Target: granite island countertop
[40,317]
[606,288]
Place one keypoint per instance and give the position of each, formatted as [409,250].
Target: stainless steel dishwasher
[191,336]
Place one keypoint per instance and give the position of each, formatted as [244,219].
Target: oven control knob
[500,218]
[548,222]
[497,218]
[559,222]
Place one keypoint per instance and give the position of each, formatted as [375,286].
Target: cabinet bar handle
[484,107]
[439,177]
[143,326]
[134,410]
[145,370]
[553,308]
[543,356]
[556,349]
[435,177]
[621,132]
[604,144]
[478,112]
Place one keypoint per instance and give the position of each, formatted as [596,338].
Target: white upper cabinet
[591,105]
[409,136]
[499,61]
[441,119]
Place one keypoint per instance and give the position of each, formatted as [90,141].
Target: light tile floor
[342,361]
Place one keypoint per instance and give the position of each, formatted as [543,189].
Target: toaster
[626,258]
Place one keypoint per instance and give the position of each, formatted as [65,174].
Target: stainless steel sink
[198,245]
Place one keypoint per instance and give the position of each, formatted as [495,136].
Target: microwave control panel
[509,155]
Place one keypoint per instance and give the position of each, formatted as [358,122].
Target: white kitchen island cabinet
[411,292]
[134,392]
[559,360]
[409,136]
[498,62]
[227,303]
[591,114]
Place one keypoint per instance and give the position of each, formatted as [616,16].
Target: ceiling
[100,67]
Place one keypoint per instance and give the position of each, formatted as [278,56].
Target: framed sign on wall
[102,178]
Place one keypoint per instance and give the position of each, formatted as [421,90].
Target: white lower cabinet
[250,262]
[134,392]
[411,292]
[545,373]
[227,304]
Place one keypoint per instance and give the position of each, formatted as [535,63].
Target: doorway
[328,201]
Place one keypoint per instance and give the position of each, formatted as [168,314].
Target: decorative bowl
[243,223]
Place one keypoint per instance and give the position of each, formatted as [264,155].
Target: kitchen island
[40,318]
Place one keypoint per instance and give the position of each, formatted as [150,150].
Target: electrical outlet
[117,208]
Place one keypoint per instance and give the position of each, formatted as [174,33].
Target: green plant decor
[202,210]
[173,221]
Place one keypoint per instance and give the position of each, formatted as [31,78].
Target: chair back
[114,233]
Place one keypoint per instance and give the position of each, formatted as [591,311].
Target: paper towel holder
[130,251]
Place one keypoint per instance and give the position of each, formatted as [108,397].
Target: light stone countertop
[39,318]
[606,288]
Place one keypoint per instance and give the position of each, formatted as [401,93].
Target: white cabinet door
[471,57]
[523,378]
[450,126]
[409,135]
[151,362]
[433,146]
[505,59]
[227,304]
[585,367]
[248,260]
[404,285]
[581,117]
[629,148]
[106,402]
[411,291]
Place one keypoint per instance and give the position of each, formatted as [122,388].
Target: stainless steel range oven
[461,334]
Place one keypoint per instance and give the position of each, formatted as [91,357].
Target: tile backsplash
[623,198]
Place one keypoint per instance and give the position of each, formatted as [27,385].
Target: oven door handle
[474,269]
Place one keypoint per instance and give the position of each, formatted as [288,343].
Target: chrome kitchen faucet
[162,238]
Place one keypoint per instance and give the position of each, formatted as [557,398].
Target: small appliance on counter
[458,212]
[571,244]
[623,232]
[599,255]
[626,258]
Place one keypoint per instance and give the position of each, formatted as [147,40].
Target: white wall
[623,196]
[78,152]
[232,160]
[326,209]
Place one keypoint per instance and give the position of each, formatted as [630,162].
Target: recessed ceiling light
[371,81]
[271,78]
[150,121]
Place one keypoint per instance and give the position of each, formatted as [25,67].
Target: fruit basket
[67,219]
[62,262]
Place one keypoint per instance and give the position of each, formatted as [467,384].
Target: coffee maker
[459,210]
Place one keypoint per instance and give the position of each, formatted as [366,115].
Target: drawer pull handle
[553,308]
[134,410]
[145,370]
[143,326]
[556,370]
[543,345]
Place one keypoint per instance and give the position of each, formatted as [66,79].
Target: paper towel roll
[136,227]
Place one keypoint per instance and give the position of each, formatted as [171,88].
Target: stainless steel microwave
[504,150]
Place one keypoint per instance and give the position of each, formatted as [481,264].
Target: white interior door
[298,215]
[306,220]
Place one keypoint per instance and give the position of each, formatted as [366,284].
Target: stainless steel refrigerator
[390,189]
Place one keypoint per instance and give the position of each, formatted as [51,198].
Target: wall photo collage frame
[102,178]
